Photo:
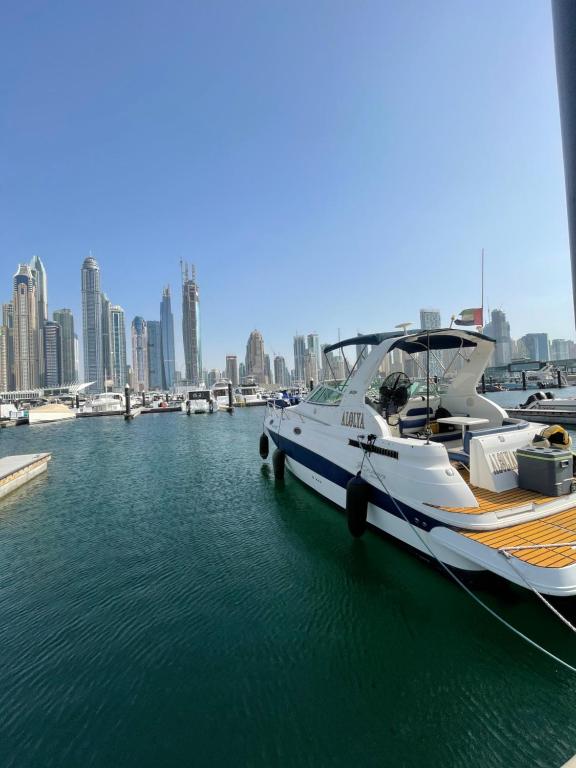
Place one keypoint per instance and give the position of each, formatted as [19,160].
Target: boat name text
[353,419]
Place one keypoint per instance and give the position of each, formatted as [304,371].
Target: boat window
[325,396]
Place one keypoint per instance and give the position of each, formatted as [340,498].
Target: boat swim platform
[549,542]
[490,501]
[18,470]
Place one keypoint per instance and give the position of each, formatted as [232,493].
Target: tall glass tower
[140,354]
[155,379]
[41,282]
[191,326]
[25,329]
[92,324]
[65,320]
[107,363]
[167,332]
[118,339]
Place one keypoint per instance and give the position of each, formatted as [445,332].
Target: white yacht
[251,394]
[546,408]
[220,394]
[104,404]
[198,401]
[447,473]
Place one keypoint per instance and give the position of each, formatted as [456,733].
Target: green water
[163,603]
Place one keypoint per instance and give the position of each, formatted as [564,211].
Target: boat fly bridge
[438,466]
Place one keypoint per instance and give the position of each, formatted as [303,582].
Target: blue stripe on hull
[336,474]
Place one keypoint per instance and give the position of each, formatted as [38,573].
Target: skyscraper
[65,320]
[255,363]
[536,345]
[268,370]
[430,319]
[118,336]
[299,357]
[167,331]
[107,364]
[280,372]
[140,354]
[232,369]
[155,364]
[25,329]
[8,323]
[39,274]
[499,329]
[4,359]
[52,346]
[92,324]
[241,372]
[314,358]
[191,326]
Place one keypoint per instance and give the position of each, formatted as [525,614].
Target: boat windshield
[324,395]
[202,395]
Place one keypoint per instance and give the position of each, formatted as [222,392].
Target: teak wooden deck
[556,529]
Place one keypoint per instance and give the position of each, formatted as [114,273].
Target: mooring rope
[471,594]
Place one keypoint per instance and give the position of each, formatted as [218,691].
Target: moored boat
[437,470]
[198,401]
[49,413]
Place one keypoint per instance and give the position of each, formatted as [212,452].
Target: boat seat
[491,431]
[414,420]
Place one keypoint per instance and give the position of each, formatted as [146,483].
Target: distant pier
[18,470]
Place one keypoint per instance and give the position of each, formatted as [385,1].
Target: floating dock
[17,470]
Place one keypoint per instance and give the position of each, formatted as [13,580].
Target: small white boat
[439,471]
[198,401]
[49,413]
[104,404]
[220,394]
[251,394]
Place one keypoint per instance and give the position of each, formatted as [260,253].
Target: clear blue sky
[327,164]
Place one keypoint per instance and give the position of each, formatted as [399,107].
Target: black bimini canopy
[416,341]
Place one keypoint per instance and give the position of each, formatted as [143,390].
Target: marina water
[164,603]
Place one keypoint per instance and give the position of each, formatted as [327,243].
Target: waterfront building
[560,349]
[299,357]
[564,22]
[191,326]
[499,329]
[52,349]
[232,369]
[65,320]
[155,363]
[92,324]
[241,371]
[255,363]
[268,370]
[4,371]
[536,345]
[311,372]
[26,374]
[40,279]
[167,333]
[76,358]
[8,323]
[118,338]
[107,364]
[140,355]
[280,372]
[212,376]
[313,350]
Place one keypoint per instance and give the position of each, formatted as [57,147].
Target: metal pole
[524,380]
[230,401]
[127,400]
[428,387]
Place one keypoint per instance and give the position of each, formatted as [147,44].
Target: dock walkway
[17,470]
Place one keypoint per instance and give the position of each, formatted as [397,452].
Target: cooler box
[546,470]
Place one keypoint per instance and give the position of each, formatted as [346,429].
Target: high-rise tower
[140,354]
[25,329]
[255,358]
[65,320]
[52,346]
[92,324]
[232,369]
[118,339]
[299,358]
[167,332]
[155,367]
[8,323]
[105,322]
[41,282]
[191,326]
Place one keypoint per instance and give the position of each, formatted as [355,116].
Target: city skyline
[156,347]
[330,178]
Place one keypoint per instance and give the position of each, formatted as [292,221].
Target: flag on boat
[470,317]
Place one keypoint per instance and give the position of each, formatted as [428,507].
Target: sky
[329,166]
